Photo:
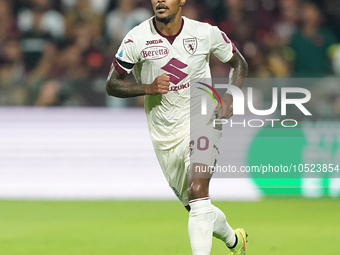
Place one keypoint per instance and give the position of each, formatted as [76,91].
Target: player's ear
[182,2]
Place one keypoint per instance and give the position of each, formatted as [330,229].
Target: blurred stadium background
[62,138]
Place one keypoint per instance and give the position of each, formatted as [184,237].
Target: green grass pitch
[275,226]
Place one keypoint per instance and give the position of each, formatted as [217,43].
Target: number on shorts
[202,143]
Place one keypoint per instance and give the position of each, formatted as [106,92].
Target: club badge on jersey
[190,45]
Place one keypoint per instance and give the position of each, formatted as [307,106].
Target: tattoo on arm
[239,69]
[116,86]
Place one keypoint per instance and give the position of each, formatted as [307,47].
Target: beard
[167,19]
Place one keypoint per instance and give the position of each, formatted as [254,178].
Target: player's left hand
[226,107]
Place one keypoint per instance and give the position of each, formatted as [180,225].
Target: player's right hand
[159,86]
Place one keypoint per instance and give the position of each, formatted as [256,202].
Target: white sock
[200,226]
[222,229]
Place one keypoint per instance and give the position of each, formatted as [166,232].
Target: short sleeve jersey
[147,53]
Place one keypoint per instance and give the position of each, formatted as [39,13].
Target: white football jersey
[185,56]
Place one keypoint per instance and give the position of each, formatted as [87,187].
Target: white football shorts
[175,162]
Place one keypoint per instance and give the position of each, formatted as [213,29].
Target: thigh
[204,152]
[204,146]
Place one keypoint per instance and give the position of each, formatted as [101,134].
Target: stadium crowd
[58,53]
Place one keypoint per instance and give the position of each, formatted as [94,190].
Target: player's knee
[198,189]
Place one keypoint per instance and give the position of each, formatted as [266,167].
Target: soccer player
[165,54]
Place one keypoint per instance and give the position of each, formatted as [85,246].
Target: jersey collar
[170,38]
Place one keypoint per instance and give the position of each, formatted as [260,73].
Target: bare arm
[239,69]
[117,87]
[238,73]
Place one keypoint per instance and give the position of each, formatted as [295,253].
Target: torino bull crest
[190,45]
